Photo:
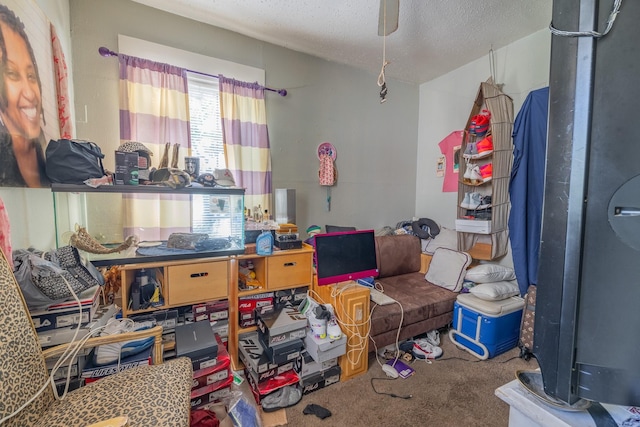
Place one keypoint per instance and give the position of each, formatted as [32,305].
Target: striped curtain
[246,140]
[154,110]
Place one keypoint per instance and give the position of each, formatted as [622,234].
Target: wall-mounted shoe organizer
[485,171]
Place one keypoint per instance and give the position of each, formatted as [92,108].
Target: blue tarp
[526,189]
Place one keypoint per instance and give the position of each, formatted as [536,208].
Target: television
[345,255]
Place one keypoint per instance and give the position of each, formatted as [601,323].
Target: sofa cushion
[420,300]
[398,254]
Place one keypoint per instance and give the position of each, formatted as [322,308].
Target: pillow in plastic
[487,273]
[447,269]
[495,291]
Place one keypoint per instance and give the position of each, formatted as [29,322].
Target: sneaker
[480,123]
[466,201]
[479,201]
[433,337]
[485,172]
[470,151]
[475,174]
[468,172]
[484,147]
[110,353]
[422,349]
[333,329]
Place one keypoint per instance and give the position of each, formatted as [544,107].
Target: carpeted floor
[455,390]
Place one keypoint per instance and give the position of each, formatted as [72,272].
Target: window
[208,213]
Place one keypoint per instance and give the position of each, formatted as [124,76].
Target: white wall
[31,210]
[445,104]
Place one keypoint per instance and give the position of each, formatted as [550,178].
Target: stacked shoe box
[197,341]
[168,319]
[319,367]
[248,305]
[212,384]
[269,354]
[217,313]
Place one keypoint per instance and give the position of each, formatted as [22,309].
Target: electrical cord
[406,396]
[612,17]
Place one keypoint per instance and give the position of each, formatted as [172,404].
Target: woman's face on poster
[24,101]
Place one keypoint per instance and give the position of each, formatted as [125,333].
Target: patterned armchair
[156,395]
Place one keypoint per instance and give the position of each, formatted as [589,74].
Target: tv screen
[347,255]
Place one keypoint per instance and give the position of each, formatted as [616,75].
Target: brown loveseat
[402,268]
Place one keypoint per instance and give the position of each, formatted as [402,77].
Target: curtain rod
[108,52]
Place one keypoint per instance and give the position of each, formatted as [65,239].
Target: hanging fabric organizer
[327,173]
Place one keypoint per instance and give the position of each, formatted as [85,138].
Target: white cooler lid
[492,308]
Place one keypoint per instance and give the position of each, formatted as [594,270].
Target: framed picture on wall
[28,104]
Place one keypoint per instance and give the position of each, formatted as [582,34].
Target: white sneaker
[333,329]
[422,349]
[433,337]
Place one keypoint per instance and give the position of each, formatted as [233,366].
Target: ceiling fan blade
[392,10]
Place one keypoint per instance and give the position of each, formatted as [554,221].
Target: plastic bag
[243,413]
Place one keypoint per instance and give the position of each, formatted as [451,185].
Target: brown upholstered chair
[156,395]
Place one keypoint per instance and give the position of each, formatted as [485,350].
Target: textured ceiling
[433,36]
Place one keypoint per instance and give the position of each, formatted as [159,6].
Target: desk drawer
[197,282]
[286,271]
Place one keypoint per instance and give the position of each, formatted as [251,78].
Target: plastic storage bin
[486,328]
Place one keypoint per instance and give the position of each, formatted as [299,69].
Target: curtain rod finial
[282,92]
[106,52]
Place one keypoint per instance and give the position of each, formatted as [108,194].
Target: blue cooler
[486,328]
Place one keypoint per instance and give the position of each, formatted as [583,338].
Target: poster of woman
[28,111]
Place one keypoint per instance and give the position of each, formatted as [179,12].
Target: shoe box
[323,349]
[263,388]
[320,380]
[281,326]
[252,354]
[305,365]
[67,315]
[218,372]
[281,353]
[57,336]
[486,328]
[212,393]
[473,226]
[197,341]
[249,304]
[289,297]
[212,311]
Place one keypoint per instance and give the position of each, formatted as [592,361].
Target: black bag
[72,161]
[42,276]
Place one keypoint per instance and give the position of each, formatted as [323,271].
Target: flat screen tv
[345,255]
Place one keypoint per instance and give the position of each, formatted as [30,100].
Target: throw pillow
[445,239]
[447,268]
[495,291]
[487,273]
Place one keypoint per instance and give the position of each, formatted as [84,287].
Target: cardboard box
[260,390]
[281,326]
[281,353]
[289,297]
[320,380]
[168,319]
[306,366]
[473,226]
[197,342]
[126,168]
[323,349]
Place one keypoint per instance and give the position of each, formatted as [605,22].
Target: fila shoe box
[320,380]
[281,326]
[305,365]
[249,304]
[486,328]
[218,372]
[197,342]
[254,358]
